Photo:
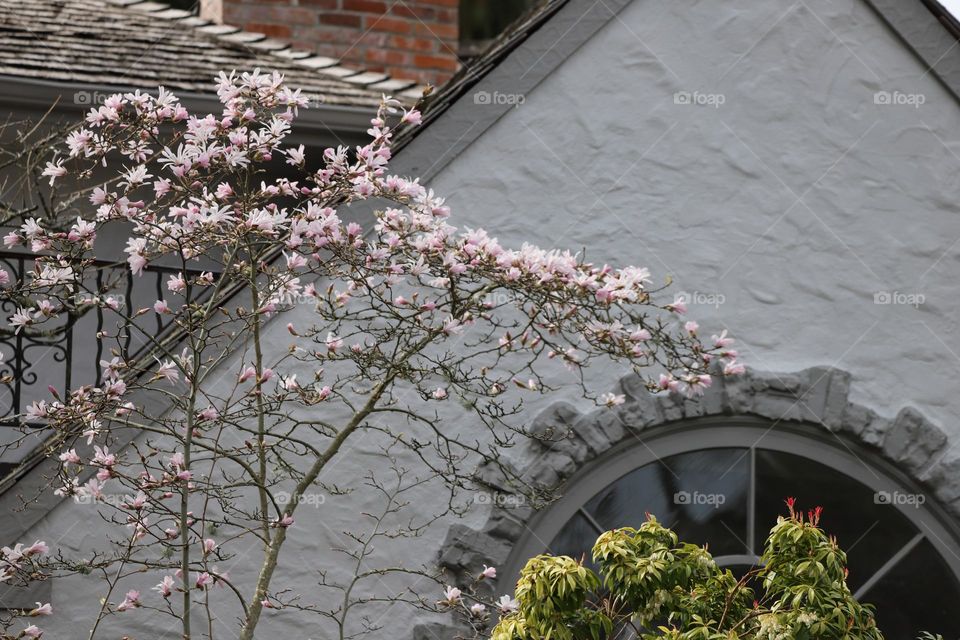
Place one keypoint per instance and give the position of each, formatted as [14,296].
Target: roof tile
[338,71]
[369,77]
[391,85]
[126,44]
[243,37]
[149,7]
[219,29]
[317,62]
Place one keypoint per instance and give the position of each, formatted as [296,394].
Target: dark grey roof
[142,44]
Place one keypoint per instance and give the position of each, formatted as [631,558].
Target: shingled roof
[142,44]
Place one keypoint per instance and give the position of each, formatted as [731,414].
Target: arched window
[724,483]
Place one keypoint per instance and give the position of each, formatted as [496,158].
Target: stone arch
[568,440]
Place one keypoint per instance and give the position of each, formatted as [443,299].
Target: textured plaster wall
[794,203]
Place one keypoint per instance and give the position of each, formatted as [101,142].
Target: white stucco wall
[794,202]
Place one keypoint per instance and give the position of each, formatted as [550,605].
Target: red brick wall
[409,39]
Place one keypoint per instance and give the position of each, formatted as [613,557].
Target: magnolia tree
[407,315]
[651,585]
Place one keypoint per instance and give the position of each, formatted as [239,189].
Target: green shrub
[664,588]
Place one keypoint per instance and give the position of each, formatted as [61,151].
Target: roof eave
[321,125]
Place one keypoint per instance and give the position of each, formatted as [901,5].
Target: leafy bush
[663,588]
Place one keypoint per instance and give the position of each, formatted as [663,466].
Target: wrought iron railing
[67,353]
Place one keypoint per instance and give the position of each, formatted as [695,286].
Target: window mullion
[888,566]
[593,523]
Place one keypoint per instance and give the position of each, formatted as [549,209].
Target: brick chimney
[407,39]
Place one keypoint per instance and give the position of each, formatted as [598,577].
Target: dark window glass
[868,532]
[919,594]
[701,495]
[482,20]
[575,540]
[188,5]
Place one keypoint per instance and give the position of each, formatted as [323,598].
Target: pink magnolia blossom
[55,170]
[695,384]
[165,587]
[295,156]
[70,456]
[37,409]
[20,319]
[668,382]
[507,605]
[451,596]
[176,283]
[125,409]
[333,342]
[103,457]
[679,305]
[131,601]
[734,368]
[722,341]
[168,371]
[612,400]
